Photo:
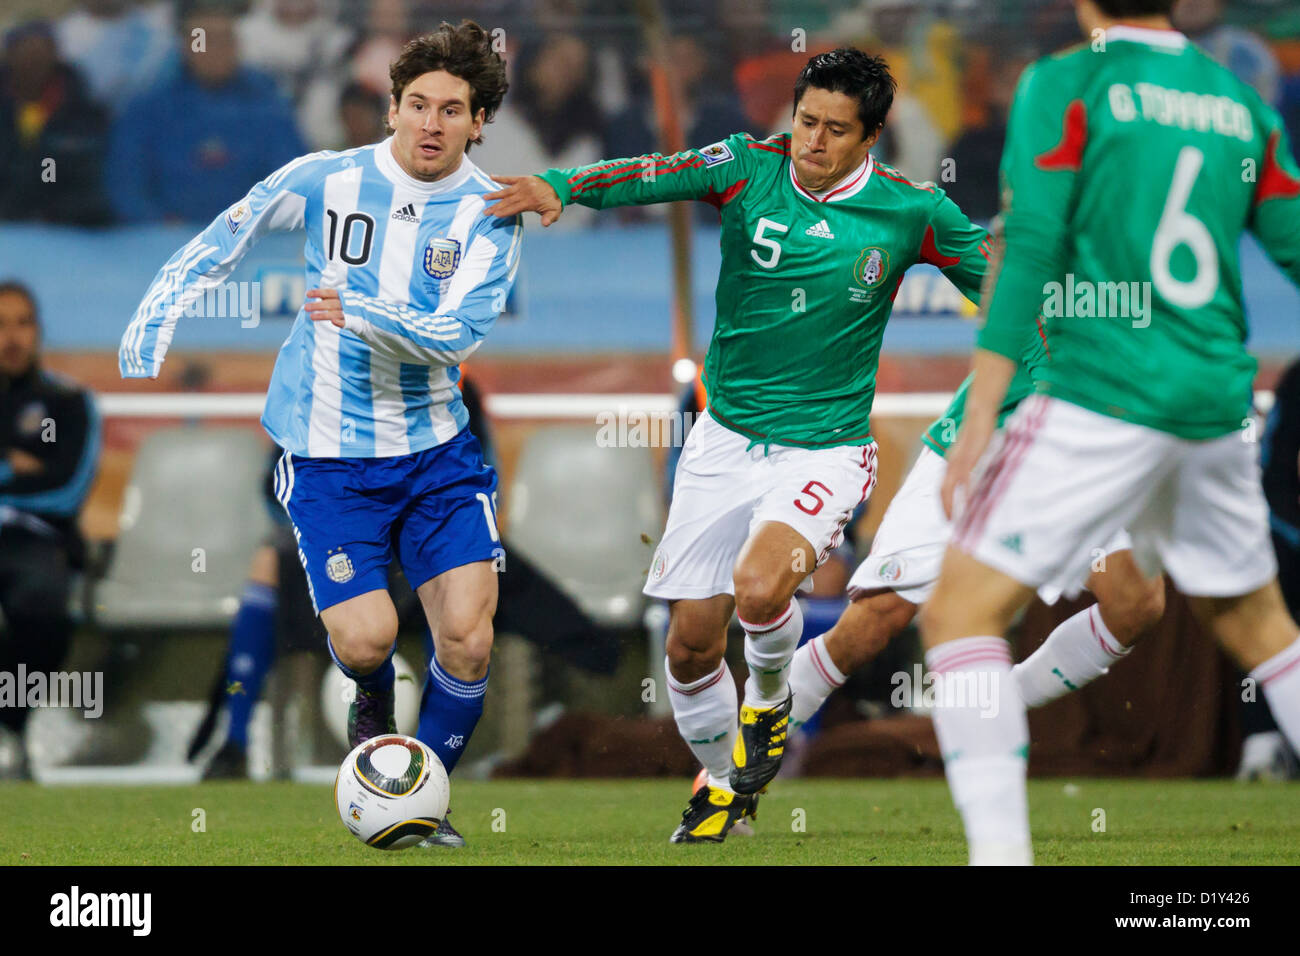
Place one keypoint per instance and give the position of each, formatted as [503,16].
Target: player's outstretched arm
[714,173]
[525,194]
[958,247]
[275,204]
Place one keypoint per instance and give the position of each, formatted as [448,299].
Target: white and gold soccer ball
[392,792]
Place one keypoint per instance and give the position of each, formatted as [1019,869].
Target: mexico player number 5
[1177,228]
[808,490]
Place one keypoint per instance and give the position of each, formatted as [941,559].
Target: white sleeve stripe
[173,275]
[471,274]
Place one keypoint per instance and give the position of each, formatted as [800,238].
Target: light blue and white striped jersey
[422,275]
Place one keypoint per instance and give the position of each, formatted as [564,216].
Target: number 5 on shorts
[808,490]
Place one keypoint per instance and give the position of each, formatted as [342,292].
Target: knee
[363,646]
[689,660]
[465,646]
[758,598]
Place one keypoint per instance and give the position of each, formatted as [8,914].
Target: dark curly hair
[1135,8]
[465,52]
[850,71]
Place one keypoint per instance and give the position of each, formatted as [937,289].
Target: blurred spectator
[302,45]
[550,118]
[51,135]
[363,116]
[386,28]
[977,153]
[709,111]
[1245,54]
[209,130]
[119,46]
[49,449]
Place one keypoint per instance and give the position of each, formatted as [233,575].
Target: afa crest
[339,568]
[441,257]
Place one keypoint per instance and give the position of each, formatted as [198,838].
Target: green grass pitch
[878,822]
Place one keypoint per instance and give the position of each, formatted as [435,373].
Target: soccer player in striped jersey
[1131,162]
[405,277]
[816,236]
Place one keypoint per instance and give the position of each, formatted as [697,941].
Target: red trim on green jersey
[1068,153]
[930,252]
[890,173]
[771,148]
[719,200]
[1274,181]
[602,181]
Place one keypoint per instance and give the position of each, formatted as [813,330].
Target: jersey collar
[393,171]
[850,185]
[1171,39]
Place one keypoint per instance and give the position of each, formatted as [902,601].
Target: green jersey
[943,430]
[807,281]
[1130,169]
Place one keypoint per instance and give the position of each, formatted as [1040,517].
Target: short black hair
[850,71]
[1135,8]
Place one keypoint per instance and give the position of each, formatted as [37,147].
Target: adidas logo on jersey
[821,230]
[406,214]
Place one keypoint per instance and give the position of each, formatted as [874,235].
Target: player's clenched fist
[323,305]
[525,194]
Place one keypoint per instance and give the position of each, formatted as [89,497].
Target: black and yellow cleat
[760,746]
[711,814]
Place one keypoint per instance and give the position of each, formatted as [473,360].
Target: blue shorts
[437,507]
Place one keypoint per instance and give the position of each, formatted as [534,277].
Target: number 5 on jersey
[771,245]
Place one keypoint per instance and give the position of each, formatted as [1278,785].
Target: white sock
[768,650]
[984,738]
[1280,678]
[705,711]
[813,678]
[1079,651]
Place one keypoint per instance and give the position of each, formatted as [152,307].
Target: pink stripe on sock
[1092,611]
[826,676]
[691,693]
[960,658]
[771,625]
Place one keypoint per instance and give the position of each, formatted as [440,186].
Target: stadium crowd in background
[272,76]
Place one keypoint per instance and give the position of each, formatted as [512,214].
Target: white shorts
[1064,476]
[907,551]
[723,490]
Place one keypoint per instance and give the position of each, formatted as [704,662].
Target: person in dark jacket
[52,135]
[49,448]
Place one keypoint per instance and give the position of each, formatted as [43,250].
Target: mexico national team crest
[339,568]
[891,569]
[872,267]
[441,257]
[659,565]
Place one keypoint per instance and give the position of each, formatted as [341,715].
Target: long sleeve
[1275,218]
[275,204]
[1045,141]
[958,247]
[712,174]
[466,311]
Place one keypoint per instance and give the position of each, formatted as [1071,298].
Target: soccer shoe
[711,814]
[370,715]
[759,746]
[445,835]
[228,763]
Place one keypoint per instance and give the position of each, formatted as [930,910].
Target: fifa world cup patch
[441,257]
[237,215]
[717,154]
[339,569]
